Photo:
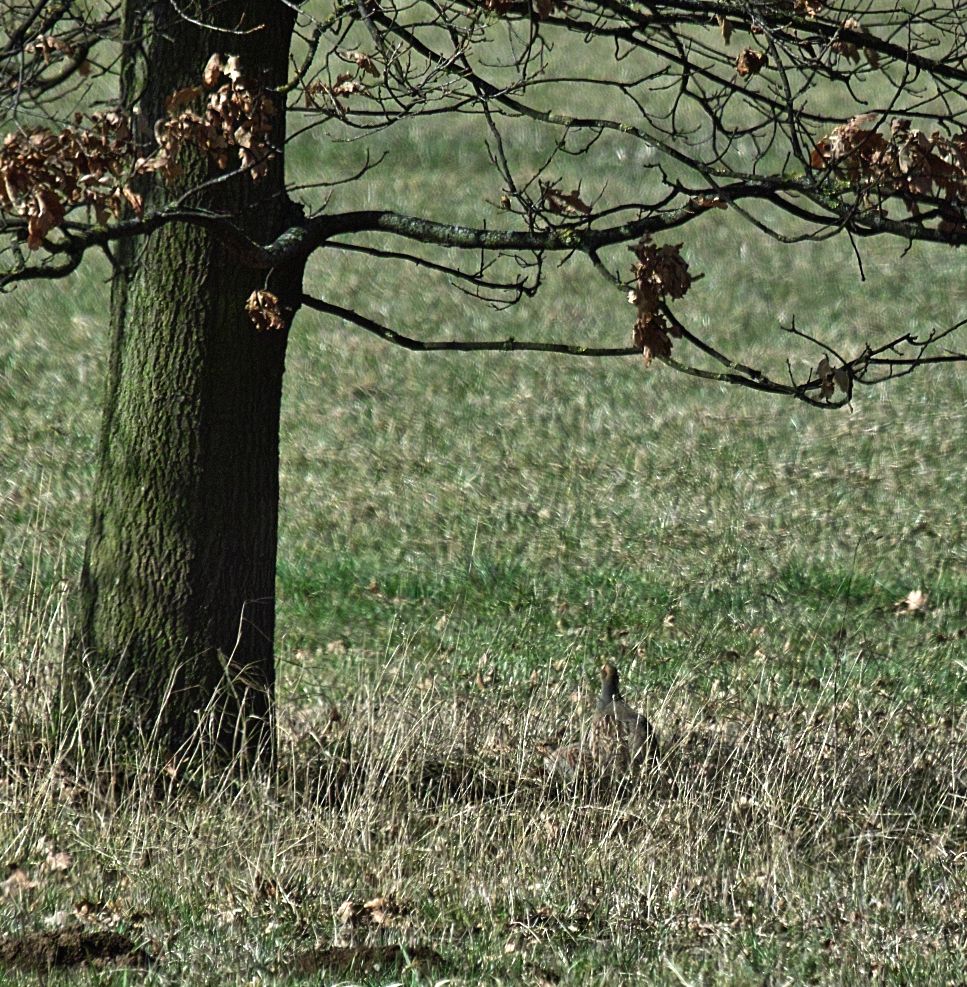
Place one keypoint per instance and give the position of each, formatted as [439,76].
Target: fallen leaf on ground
[915,602]
[17,882]
[59,862]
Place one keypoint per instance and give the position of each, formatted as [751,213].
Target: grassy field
[464,539]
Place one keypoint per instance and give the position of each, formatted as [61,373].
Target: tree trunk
[178,586]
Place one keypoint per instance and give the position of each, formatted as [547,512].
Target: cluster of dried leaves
[850,51]
[94,161]
[85,933]
[379,912]
[908,164]
[55,863]
[831,379]
[50,48]
[43,174]
[265,310]
[563,203]
[659,273]
[751,61]
[345,84]
[227,113]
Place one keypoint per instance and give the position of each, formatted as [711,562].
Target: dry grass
[814,840]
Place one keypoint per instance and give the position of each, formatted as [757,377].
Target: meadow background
[464,539]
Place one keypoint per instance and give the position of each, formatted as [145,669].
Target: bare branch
[806,120]
[462,345]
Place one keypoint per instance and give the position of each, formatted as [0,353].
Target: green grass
[463,539]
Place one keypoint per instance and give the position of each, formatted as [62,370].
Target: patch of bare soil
[42,951]
[362,959]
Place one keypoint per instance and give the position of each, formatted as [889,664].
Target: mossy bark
[178,585]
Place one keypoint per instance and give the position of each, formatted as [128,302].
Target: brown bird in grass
[619,742]
[620,730]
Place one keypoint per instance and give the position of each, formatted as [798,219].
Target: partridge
[618,742]
[618,733]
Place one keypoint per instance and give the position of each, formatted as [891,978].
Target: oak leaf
[48,213]
[364,61]
[16,883]
[347,85]
[233,68]
[652,339]
[707,202]
[565,203]
[846,48]
[660,273]
[182,98]
[212,72]
[750,62]
[263,308]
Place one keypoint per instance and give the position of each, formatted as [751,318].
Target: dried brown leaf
[264,309]
[47,213]
[565,203]
[750,62]
[212,73]
[383,911]
[652,339]
[824,373]
[660,273]
[48,44]
[708,202]
[16,883]
[59,862]
[914,603]
[233,68]
[364,61]
[182,98]
[135,201]
[347,85]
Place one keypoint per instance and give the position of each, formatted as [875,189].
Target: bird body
[618,727]
[619,742]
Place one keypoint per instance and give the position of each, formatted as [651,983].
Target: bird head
[609,684]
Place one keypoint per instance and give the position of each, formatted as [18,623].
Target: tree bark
[178,585]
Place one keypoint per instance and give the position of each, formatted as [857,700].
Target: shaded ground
[42,951]
[363,959]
